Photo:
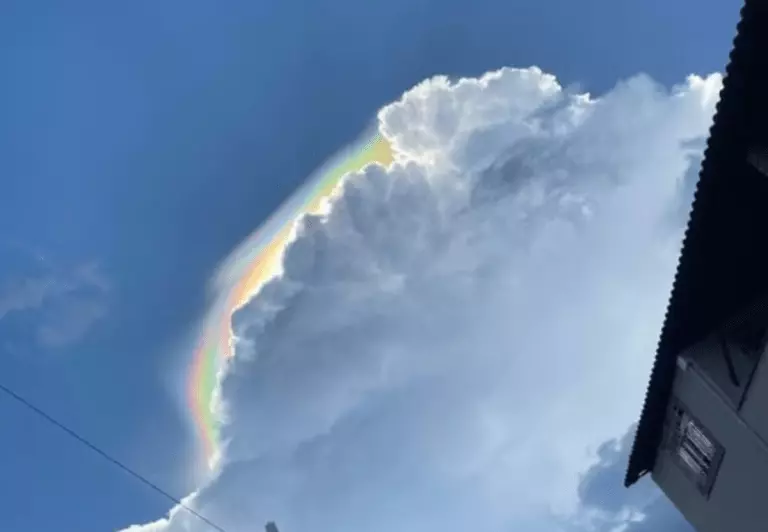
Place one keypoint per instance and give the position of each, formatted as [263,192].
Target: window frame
[724,340]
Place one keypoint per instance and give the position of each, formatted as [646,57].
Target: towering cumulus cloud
[451,345]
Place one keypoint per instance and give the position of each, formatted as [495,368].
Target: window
[694,449]
[729,357]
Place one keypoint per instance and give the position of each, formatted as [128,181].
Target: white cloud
[607,507]
[451,345]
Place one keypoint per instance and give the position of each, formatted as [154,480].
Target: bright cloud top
[448,346]
[254,263]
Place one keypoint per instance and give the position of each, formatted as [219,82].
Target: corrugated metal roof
[723,266]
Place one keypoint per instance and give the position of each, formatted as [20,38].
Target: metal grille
[694,449]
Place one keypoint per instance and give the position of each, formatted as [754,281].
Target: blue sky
[140,142]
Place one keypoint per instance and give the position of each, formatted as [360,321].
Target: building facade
[703,430]
[712,461]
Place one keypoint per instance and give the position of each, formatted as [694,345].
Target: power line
[106,456]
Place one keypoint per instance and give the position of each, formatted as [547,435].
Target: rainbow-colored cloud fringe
[255,262]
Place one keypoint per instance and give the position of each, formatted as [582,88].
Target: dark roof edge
[649,429]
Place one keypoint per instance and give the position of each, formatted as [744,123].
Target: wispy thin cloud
[65,303]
